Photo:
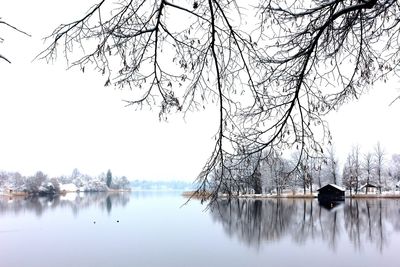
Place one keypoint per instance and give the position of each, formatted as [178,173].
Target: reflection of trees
[72,201]
[367,221]
[108,204]
[257,221]
[330,223]
[253,220]
[305,222]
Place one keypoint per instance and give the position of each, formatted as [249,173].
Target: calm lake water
[152,229]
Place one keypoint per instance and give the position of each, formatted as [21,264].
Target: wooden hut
[331,192]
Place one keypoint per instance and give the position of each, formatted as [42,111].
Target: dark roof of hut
[334,186]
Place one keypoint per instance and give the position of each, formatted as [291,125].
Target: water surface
[152,229]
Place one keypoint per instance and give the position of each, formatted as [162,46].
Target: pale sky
[56,120]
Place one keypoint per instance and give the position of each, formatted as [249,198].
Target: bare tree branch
[1,39]
[273,74]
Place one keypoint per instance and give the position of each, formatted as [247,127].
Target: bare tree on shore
[394,168]
[348,177]
[332,163]
[356,165]
[379,164]
[368,169]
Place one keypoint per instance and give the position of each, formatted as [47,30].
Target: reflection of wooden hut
[331,192]
[331,205]
[369,188]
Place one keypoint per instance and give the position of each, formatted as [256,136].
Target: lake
[154,229]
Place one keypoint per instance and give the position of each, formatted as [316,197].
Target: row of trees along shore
[275,174]
[42,184]
[273,69]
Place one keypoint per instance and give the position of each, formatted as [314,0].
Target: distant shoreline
[192,194]
[61,193]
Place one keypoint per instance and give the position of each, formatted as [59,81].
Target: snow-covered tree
[348,175]
[33,183]
[275,174]
[356,166]
[379,161]
[367,168]
[394,169]
[332,165]
[119,182]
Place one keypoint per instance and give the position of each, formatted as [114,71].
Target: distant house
[8,190]
[12,191]
[331,192]
[369,188]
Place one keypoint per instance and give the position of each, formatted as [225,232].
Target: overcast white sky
[56,120]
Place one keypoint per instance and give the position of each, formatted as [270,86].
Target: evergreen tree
[257,184]
[109,178]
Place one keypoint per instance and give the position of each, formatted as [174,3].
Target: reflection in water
[73,201]
[256,221]
[367,221]
[330,204]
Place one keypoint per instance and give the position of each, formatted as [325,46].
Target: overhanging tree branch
[2,22]
[272,81]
